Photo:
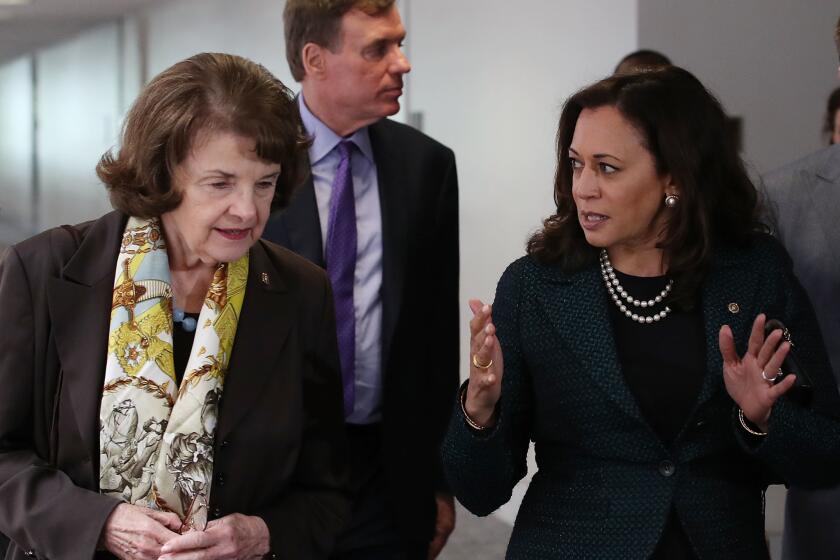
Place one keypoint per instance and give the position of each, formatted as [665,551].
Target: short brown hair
[208,91]
[319,22]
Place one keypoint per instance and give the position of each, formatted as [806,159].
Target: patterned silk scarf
[156,438]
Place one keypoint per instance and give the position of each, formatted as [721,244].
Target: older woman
[629,346]
[170,383]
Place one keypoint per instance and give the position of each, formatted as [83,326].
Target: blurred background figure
[831,127]
[643,59]
[804,199]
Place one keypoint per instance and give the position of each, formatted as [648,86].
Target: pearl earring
[671,200]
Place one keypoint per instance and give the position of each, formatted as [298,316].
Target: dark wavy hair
[684,128]
[209,91]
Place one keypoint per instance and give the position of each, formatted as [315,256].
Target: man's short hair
[644,59]
[319,22]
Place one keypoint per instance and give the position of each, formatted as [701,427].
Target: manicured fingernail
[486,308]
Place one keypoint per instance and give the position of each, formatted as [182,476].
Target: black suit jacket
[418,193]
[280,445]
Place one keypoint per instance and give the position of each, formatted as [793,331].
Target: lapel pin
[734,308]
[264,278]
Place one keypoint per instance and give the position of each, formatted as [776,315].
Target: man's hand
[444,525]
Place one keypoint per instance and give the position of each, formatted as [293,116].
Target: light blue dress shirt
[367,290]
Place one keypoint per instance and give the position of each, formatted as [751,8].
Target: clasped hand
[137,533]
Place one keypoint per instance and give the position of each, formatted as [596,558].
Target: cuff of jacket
[801,445]
[461,414]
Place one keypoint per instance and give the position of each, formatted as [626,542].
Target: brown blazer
[280,445]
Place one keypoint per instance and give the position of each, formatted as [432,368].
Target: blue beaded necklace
[187,323]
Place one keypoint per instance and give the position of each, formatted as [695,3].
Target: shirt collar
[324,139]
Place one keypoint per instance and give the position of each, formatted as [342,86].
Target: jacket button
[667,468]
[220,479]
[29,554]
[225,443]
[701,423]
[217,512]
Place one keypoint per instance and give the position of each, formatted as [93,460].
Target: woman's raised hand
[749,380]
[486,366]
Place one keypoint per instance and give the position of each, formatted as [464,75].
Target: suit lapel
[80,308]
[264,325]
[390,168]
[591,340]
[303,225]
[725,302]
[585,305]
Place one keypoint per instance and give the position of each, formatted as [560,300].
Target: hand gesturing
[749,379]
[486,366]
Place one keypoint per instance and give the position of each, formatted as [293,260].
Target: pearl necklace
[619,295]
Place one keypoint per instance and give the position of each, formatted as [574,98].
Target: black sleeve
[803,444]
[483,467]
[446,312]
[307,521]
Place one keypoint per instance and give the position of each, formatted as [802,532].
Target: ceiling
[38,23]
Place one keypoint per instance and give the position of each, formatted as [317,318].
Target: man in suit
[380,213]
[805,198]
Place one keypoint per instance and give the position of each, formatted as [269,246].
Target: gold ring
[481,366]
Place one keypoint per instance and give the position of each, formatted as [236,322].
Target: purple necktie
[341,267]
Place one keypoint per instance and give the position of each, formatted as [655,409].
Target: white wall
[16,143]
[79,114]
[250,28]
[490,77]
[772,62]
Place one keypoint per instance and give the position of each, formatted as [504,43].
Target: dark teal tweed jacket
[606,482]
